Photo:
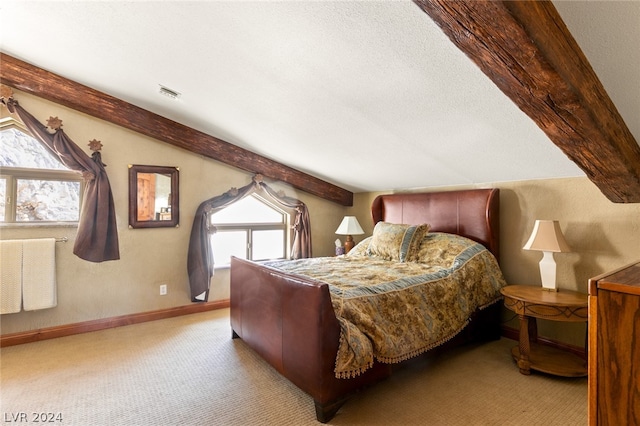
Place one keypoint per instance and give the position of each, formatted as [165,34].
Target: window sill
[31,225]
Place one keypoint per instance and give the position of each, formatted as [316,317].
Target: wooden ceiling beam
[525,48]
[44,84]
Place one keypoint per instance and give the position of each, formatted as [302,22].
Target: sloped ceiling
[369,96]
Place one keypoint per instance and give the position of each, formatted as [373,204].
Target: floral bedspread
[392,311]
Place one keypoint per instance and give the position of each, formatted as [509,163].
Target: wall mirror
[153,197]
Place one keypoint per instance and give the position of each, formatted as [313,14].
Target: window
[251,228]
[34,186]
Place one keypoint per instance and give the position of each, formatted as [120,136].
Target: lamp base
[348,244]
[548,271]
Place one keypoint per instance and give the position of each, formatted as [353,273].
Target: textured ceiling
[370,96]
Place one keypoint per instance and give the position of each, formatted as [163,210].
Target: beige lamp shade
[547,236]
[349,226]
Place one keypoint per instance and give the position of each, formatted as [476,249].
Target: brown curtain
[301,247]
[200,259]
[97,238]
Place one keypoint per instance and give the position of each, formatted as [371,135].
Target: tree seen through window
[34,185]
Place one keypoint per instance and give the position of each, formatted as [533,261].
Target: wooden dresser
[614,347]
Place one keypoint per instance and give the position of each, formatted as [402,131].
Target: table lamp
[547,238]
[349,226]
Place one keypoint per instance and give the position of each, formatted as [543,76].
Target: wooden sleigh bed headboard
[473,213]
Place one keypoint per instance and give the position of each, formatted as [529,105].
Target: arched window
[251,228]
[34,186]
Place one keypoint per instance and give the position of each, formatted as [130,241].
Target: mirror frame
[172,172]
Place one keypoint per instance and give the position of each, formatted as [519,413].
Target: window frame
[249,228]
[11,175]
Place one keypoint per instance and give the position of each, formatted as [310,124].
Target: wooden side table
[531,302]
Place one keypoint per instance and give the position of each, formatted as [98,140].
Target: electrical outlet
[163,289]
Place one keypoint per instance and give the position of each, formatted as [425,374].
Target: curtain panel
[200,260]
[97,237]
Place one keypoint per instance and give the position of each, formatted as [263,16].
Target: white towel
[10,276]
[39,274]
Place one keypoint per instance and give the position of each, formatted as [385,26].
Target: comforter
[391,308]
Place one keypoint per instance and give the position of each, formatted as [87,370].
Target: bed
[307,321]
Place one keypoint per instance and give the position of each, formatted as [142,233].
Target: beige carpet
[188,371]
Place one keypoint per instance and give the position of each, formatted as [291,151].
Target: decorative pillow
[412,252]
[360,249]
[396,242]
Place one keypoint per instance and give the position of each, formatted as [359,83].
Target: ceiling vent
[169,93]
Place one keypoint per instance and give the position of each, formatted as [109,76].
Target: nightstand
[531,302]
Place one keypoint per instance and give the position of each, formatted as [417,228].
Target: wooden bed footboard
[290,322]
